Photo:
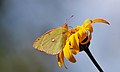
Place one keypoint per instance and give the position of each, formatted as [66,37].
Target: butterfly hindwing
[53,41]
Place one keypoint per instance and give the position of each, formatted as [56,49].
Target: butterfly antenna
[69,18]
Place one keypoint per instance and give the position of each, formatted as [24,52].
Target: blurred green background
[22,21]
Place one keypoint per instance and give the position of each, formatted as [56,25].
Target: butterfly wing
[53,41]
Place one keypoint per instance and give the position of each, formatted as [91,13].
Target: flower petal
[88,40]
[60,57]
[68,53]
[99,20]
[73,42]
[77,38]
[82,34]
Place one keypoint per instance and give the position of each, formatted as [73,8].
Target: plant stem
[93,59]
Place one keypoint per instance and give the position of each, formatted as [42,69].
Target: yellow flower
[76,37]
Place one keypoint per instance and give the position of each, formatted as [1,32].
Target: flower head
[75,37]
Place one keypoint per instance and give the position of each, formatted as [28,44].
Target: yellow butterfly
[53,41]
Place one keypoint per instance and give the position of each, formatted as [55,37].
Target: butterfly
[53,41]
